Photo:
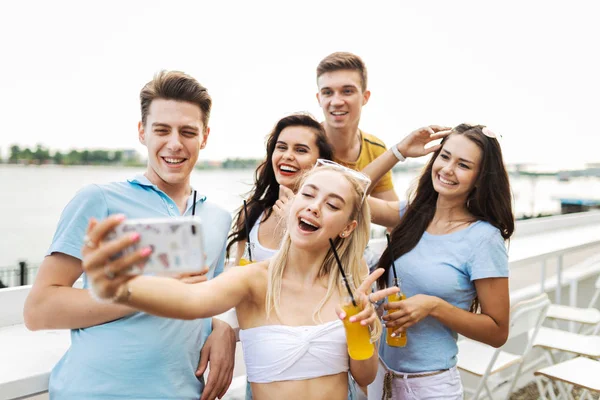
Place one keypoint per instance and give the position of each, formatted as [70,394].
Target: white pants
[444,386]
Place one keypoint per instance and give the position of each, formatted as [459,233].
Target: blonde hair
[349,249]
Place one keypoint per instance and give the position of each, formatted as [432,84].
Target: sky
[530,70]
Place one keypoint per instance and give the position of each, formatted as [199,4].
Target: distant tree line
[42,155]
[240,163]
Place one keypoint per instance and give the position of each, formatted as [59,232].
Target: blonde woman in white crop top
[292,148]
[288,308]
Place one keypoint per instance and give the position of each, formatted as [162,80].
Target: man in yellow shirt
[342,83]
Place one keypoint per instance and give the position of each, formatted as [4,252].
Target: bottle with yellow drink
[358,336]
[247,256]
[400,339]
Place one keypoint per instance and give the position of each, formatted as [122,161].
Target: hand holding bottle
[405,313]
[360,315]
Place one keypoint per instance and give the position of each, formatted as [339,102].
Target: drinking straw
[247,231]
[387,235]
[194,206]
[339,263]
[194,212]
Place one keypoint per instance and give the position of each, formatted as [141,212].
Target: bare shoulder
[257,276]
[254,273]
[258,270]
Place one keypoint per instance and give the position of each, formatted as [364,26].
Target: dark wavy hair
[490,200]
[265,192]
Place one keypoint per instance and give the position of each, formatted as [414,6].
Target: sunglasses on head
[485,130]
[364,180]
[489,133]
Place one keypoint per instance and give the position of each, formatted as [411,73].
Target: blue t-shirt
[139,356]
[444,266]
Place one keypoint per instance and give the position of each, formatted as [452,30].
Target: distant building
[573,205]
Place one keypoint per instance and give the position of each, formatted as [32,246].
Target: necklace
[441,227]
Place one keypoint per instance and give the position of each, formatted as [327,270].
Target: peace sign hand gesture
[366,300]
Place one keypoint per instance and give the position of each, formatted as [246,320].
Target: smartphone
[177,243]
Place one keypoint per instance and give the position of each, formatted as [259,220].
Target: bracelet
[397,153]
[122,295]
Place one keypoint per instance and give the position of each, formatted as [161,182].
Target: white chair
[566,344]
[580,372]
[585,317]
[483,361]
[551,339]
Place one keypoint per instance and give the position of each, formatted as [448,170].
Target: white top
[282,353]
[259,253]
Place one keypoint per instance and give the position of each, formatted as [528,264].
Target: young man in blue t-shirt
[116,352]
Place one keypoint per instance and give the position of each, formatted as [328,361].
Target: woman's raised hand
[414,144]
[102,263]
[282,205]
[367,299]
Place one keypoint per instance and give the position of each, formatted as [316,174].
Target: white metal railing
[27,357]
[551,239]
[542,240]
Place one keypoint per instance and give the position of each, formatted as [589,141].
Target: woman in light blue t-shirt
[450,256]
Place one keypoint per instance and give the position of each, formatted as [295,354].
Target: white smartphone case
[177,243]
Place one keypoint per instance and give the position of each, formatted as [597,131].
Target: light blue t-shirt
[444,266]
[139,356]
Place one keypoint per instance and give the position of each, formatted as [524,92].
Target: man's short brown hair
[343,60]
[175,85]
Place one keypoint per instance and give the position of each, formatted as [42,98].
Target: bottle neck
[348,283]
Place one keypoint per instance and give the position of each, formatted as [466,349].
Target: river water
[33,197]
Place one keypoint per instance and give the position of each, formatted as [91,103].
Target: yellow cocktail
[247,256]
[357,335]
[398,340]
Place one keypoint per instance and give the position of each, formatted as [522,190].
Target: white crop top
[282,353]
[259,253]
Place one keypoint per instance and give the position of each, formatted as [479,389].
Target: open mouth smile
[445,181]
[287,170]
[338,113]
[307,226]
[174,161]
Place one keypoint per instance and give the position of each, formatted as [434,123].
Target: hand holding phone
[177,243]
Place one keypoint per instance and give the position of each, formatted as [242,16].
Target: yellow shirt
[371,148]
